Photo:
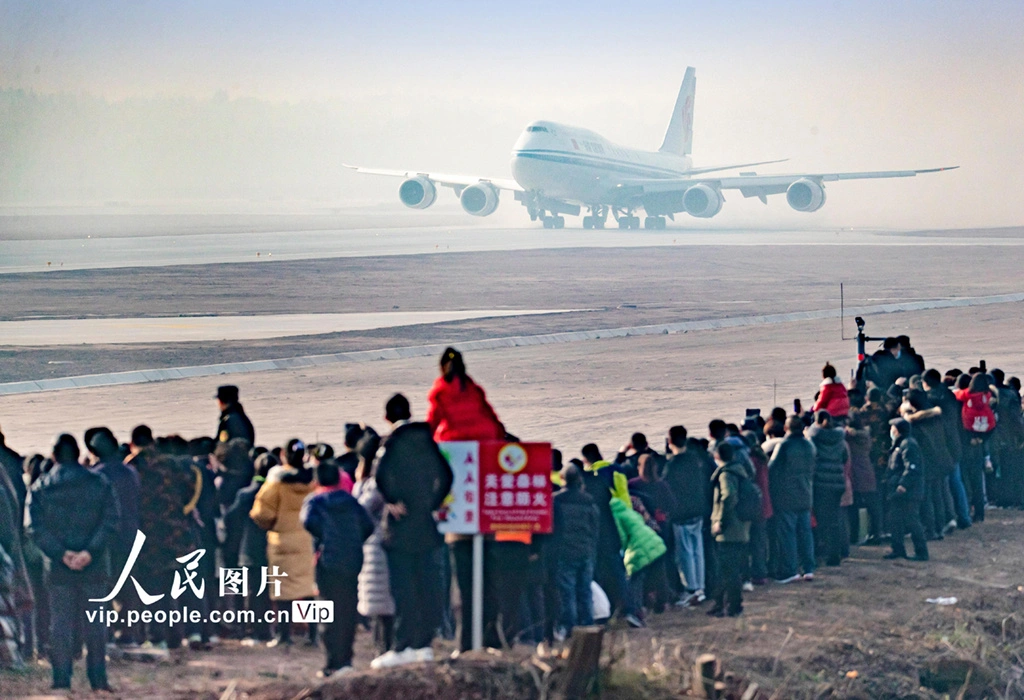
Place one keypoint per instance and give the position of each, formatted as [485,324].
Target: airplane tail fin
[679,137]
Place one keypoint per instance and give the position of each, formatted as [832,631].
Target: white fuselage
[578,165]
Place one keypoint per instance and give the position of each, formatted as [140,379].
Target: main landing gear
[626,219]
[654,222]
[597,218]
[553,221]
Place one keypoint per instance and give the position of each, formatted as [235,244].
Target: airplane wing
[752,185]
[456,182]
[717,168]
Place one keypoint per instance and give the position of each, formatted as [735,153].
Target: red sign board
[515,487]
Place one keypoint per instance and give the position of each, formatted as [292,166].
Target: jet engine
[480,199]
[417,193]
[806,195]
[702,201]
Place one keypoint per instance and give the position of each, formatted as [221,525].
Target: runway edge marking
[143,376]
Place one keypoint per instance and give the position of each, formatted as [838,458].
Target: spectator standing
[414,479]
[74,518]
[687,475]
[233,421]
[375,600]
[574,548]
[732,535]
[339,526]
[905,492]
[831,456]
[791,485]
[289,545]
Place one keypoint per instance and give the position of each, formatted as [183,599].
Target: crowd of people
[161,523]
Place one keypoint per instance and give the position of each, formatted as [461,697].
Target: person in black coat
[339,526]
[573,544]
[74,518]
[930,433]
[941,395]
[905,492]
[831,456]
[249,540]
[233,421]
[687,474]
[791,484]
[125,481]
[414,478]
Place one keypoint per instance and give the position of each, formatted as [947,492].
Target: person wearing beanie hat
[905,492]
[233,421]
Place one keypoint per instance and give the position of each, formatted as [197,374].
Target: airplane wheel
[623,221]
[634,222]
[588,222]
[549,222]
[598,223]
[559,222]
[650,223]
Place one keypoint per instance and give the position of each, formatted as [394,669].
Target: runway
[220,328]
[404,353]
[86,253]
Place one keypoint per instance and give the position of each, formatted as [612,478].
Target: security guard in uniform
[233,421]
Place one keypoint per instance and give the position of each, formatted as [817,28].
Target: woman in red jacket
[833,397]
[457,407]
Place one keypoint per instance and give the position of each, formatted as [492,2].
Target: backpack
[749,503]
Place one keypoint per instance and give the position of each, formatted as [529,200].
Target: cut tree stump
[583,664]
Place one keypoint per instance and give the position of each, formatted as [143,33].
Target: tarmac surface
[78,250]
[171,329]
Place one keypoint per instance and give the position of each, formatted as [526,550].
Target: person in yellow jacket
[289,546]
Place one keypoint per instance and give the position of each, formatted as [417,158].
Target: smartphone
[798,408]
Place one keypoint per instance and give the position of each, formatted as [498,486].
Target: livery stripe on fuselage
[588,160]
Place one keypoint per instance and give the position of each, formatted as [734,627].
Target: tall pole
[478,591]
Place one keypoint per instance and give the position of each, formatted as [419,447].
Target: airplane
[560,169]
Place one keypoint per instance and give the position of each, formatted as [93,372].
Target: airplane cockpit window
[537,128]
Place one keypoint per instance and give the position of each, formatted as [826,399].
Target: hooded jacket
[374,578]
[457,411]
[641,544]
[289,545]
[833,398]
[726,493]
[905,470]
[831,457]
[976,412]
[339,526]
[411,470]
[686,474]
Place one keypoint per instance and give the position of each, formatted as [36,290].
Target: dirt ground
[867,617]
[862,630]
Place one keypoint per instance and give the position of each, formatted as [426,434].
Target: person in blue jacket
[339,526]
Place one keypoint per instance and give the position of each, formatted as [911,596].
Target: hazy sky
[449,85]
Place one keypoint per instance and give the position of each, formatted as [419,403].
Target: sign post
[497,488]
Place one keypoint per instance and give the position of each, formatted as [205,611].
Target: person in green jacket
[643,549]
[731,534]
